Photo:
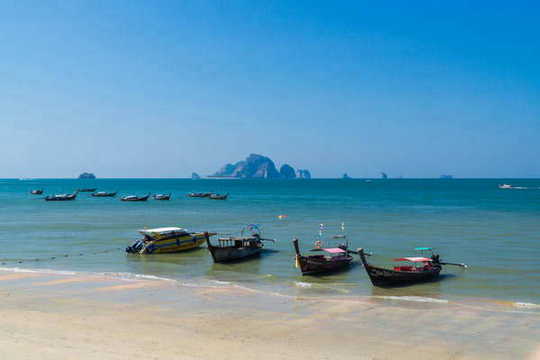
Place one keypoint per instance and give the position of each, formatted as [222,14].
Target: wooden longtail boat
[87,190]
[403,275]
[236,248]
[219,196]
[162,196]
[104,194]
[62,197]
[36,192]
[199,195]
[336,259]
[167,240]
[135,198]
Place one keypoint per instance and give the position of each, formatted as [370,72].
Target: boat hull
[144,198]
[168,245]
[319,265]
[382,277]
[231,254]
[104,194]
[390,278]
[61,198]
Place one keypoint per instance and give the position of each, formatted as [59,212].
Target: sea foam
[413,298]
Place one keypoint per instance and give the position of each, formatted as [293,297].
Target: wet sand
[63,316]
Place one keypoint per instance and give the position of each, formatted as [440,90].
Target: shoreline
[99,316]
[304,289]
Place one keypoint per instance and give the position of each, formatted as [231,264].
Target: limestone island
[259,167]
[86,175]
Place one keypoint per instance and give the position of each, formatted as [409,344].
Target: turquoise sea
[496,232]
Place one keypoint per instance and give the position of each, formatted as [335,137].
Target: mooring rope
[52,258]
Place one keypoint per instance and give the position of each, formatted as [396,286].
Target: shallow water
[494,231]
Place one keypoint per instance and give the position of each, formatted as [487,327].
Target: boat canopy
[163,230]
[414,259]
[423,249]
[334,250]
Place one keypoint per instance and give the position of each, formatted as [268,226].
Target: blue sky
[164,88]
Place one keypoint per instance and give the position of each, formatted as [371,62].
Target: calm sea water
[496,232]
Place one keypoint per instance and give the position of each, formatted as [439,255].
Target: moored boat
[237,248]
[36,192]
[199,195]
[62,197]
[219,196]
[167,240]
[335,259]
[419,269]
[162,196]
[135,198]
[87,190]
[104,194]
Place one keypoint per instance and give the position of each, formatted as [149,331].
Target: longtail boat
[167,240]
[36,192]
[104,194]
[62,197]
[335,259]
[162,196]
[219,196]
[237,248]
[135,198]
[418,269]
[199,195]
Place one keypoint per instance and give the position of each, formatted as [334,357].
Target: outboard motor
[135,247]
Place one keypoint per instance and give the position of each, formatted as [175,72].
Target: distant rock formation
[383,175]
[303,174]
[255,166]
[345,176]
[195,176]
[258,167]
[287,172]
[86,175]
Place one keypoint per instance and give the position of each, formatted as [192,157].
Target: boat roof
[414,259]
[423,249]
[334,250]
[162,230]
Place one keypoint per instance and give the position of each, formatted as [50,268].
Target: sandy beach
[52,316]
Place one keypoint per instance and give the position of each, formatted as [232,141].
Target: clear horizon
[134,89]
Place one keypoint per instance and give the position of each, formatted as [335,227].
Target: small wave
[303,285]
[525,305]
[38,271]
[413,298]
[132,276]
[220,282]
